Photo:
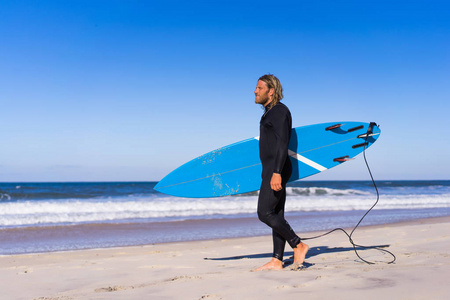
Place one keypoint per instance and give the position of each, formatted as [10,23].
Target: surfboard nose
[157,186]
[163,186]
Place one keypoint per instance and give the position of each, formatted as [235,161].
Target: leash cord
[351,233]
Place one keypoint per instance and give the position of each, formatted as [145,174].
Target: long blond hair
[273,83]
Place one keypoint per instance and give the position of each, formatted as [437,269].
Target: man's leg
[271,212]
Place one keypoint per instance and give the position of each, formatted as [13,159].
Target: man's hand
[275,182]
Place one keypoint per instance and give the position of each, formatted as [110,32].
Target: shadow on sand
[313,251]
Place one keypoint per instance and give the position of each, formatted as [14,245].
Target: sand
[222,269]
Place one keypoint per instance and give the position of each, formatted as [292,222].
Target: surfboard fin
[343,158]
[355,128]
[360,145]
[364,135]
[333,127]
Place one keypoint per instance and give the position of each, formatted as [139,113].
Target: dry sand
[221,269]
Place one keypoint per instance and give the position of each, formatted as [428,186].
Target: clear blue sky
[129,90]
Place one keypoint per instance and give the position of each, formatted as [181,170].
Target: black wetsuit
[275,132]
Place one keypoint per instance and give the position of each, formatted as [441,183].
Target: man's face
[263,93]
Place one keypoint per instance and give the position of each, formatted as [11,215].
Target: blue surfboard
[236,168]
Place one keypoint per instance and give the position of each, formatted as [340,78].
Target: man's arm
[282,130]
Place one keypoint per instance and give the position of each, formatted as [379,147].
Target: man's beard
[262,100]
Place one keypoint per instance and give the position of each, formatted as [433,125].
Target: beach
[222,268]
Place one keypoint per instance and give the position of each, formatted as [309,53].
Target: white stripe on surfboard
[306,161]
[303,159]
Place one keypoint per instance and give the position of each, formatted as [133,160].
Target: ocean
[40,217]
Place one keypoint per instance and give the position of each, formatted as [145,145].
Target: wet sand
[22,240]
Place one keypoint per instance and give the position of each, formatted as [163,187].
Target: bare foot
[300,253]
[274,264]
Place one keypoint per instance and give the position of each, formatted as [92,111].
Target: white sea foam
[322,191]
[4,197]
[48,212]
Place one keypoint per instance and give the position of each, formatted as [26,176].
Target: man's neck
[266,105]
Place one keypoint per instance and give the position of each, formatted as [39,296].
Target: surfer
[275,130]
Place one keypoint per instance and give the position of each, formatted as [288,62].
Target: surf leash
[355,246]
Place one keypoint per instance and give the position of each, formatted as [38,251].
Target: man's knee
[264,216]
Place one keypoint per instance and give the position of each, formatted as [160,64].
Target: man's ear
[271,92]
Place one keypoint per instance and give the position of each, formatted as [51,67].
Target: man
[275,131]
